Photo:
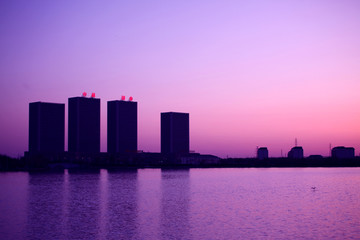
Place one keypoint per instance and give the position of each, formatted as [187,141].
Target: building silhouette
[174,133]
[342,152]
[296,153]
[46,127]
[84,125]
[122,126]
[262,153]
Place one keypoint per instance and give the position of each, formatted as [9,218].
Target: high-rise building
[46,127]
[84,125]
[174,133]
[262,153]
[122,126]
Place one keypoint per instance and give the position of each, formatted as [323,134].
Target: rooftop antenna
[330,150]
[295,142]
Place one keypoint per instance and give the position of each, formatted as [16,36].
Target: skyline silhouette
[250,73]
[177,119]
[46,131]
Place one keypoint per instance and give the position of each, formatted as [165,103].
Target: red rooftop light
[93,95]
[84,94]
[131,98]
[123,98]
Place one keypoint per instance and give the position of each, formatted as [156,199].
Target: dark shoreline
[8,164]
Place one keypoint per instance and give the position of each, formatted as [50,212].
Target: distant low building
[199,159]
[315,157]
[262,153]
[342,152]
[296,153]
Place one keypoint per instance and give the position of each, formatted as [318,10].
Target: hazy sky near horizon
[250,73]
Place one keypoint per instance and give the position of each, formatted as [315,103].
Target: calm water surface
[182,204]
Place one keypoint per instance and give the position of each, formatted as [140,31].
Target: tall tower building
[122,126]
[84,125]
[46,127]
[174,133]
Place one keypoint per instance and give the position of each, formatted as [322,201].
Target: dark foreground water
[182,204]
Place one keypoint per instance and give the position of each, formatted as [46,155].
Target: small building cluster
[297,152]
[343,152]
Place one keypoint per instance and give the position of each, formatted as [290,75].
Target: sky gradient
[250,73]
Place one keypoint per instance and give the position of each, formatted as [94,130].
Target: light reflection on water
[182,204]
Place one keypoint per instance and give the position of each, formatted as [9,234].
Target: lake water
[182,204]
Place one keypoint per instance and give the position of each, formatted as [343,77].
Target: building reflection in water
[65,202]
[13,205]
[44,212]
[149,208]
[175,201]
[122,212]
[83,206]
[103,189]
[138,204]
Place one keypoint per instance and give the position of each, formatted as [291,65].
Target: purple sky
[250,73]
